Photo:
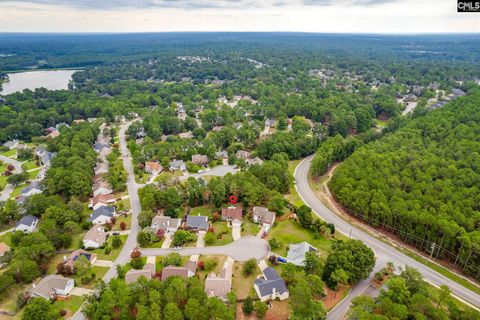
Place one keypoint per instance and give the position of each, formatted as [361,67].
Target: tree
[339,277]
[313,264]
[247,305]
[210,237]
[260,309]
[83,269]
[249,267]
[444,295]
[302,303]
[116,242]
[353,257]
[181,236]
[172,312]
[39,309]
[144,238]
[316,284]
[194,310]
[172,259]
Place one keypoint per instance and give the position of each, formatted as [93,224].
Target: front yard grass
[202,274]
[241,285]
[70,306]
[115,251]
[249,228]
[223,234]
[9,153]
[289,232]
[127,219]
[202,211]
[29,165]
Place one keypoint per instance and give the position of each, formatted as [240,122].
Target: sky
[336,16]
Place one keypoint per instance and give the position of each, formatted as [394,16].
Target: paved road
[384,252]
[241,250]
[132,187]
[218,171]
[5,194]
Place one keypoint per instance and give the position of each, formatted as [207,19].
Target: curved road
[383,251]
[241,250]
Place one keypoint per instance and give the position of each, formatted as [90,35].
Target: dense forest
[422,182]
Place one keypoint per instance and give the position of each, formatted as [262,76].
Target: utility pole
[432,248]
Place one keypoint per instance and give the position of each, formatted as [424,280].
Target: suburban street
[5,194]
[218,171]
[241,250]
[383,251]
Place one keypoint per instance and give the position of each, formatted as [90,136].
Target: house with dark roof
[231,213]
[270,286]
[27,224]
[52,286]
[102,215]
[197,223]
[32,189]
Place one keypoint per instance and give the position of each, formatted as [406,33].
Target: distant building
[133,275]
[219,285]
[12,144]
[176,165]
[186,135]
[271,286]
[242,154]
[102,187]
[4,248]
[254,161]
[200,159]
[153,167]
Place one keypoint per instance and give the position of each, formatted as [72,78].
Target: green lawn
[7,238]
[71,305]
[30,165]
[3,179]
[223,231]
[9,153]
[127,219]
[289,231]
[113,254]
[202,211]
[220,260]
[33,174]
[249,228]
[17,191]
[292,195]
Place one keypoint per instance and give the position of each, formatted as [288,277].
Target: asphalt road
[132,188]
[383,251]
[241,250]
[218,171]
[5,194]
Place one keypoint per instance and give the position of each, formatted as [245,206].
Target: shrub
[249,267]
[260,309]
[215,217]
[210,238]
[113,220]
[107,250]
[201,265]
[63,313]
[160,234]
[247,305]
[116,242]
[123,225]
[210,264]
[274,244]
[172,259]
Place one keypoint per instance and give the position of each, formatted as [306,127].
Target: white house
[263,216]
[296,253]
[12,144]
[102,187]
[27,224]
[52,286]
[95,237]
[165,223]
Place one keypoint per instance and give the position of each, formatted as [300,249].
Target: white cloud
[356,16]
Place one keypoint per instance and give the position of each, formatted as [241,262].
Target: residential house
[269,123]
[27,224]
[200,159]
[45,158]
[153,167]
[75,255]
[176,165]
[221,154]
[102,215]
[99,147]
[167,224]
[53,133]
[52,286]
[4,248]
[133,275]
[197,223]
[61,124]
[219,285]
[254,161]
[101,167]
[102,200]
[78,121]
[186,135]
[95,237]
[296,253]
[101,187]
[232,213]
[242,154]
[217,128]
[32,189]
[12,144]
[270,286]
[263,216]
[185,272]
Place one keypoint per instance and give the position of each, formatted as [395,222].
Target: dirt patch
[332,298]
[280,310]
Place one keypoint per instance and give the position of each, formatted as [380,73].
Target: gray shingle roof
[197,222]
[102,211]
[27,220]
[272,281]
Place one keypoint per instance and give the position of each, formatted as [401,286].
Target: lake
[49,79]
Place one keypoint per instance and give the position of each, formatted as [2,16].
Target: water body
[49,79]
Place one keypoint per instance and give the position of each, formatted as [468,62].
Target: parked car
[282,260]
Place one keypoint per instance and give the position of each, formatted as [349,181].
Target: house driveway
[201,239]
[167,241]
[218,171]
[236,232]
[80,292]
[103,263]
[241,250]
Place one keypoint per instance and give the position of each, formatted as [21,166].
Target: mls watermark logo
[468,6]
